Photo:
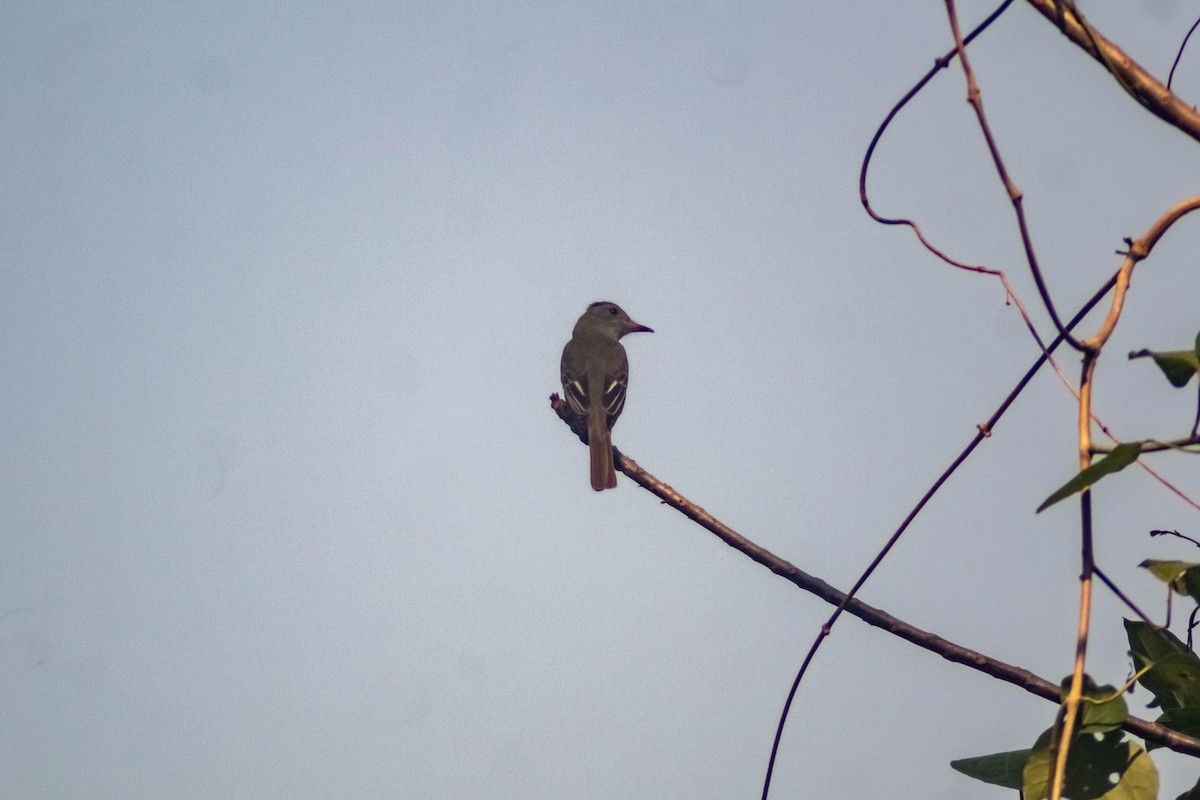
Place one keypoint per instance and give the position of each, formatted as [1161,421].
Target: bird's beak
[637,327]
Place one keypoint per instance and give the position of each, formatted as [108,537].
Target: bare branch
[1138,250]
[872,616]
[1015,195]
[1140,84]
[869,614]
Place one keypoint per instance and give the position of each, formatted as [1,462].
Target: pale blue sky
[282,294]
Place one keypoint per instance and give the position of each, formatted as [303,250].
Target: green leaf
[1035,778]
[1140,779]
[1104,710]
[1174,677]
[1099,766]
[1178,365]
[1150,642]
[1174,681]
[1000,769]
[1181,576]
[1121,457]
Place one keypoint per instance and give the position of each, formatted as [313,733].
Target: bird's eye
[612,310]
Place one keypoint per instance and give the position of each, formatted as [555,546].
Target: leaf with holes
[1098,766]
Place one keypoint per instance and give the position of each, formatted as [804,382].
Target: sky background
[283,289]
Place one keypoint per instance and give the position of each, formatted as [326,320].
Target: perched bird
[595,373]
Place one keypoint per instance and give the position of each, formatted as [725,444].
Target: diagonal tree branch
[1140,84]
[872,616]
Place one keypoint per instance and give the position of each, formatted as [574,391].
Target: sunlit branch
[1140,84]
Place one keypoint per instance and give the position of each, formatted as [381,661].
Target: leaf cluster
[1103,761]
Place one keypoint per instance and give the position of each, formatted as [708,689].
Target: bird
[595,373]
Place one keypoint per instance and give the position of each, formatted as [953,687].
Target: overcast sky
[283,288]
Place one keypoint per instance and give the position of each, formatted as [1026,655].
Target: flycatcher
[595,373]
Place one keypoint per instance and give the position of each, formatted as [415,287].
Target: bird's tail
[604,476]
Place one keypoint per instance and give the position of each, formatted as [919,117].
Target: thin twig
[1122,597]
[1176,534]
[1179,55]
[939,64]
[1015,196]
[1168,485]
[1196,424]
